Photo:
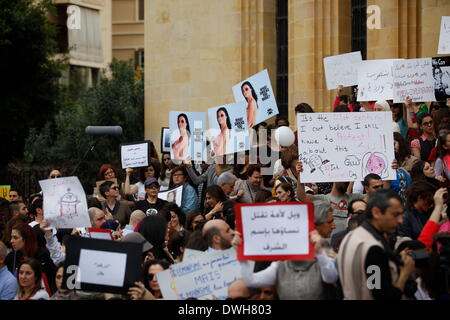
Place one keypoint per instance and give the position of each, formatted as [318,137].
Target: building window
[282,56]
[140,4]
[139,58]
[359,27]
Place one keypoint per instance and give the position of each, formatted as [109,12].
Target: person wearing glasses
[54,174]
[138,190]
[422,146]
[189,200]
[119,210]
[152,201]
[166,171]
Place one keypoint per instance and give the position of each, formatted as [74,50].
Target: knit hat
[384,104]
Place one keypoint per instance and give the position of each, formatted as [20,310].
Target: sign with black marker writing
[345,146]
[134,155]
[342,69]
[274,231]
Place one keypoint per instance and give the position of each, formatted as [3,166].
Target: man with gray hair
[136,217]
[8,283]
[226,181]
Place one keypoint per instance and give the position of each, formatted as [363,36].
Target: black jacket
[413,223]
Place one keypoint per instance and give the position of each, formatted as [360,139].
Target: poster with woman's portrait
[441,75]
[257,92]
[228,130]
[187,135]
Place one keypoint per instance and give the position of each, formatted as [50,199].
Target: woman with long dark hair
[149,290]
[224,137]
[180,147]
[166,170]
[29,281]
[154,229]
[252,102]
[442,164]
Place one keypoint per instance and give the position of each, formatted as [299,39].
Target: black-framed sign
[101,265]
[135,154]
[165,140]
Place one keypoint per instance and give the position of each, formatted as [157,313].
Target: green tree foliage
[118,100]
[29,89]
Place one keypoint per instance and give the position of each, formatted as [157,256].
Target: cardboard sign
[444,36]
[342,69]
[97,233]
[101,265]
[65,203]
[228,129]
[134,155]
[173,195]
[376,80]
[413,78]
[258,96]
[187,135]
[345,146]
[441,74]
[4,192]
[208,276]
[275,231]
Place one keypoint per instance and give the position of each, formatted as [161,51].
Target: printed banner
[173,195]
[345,146]
[258,95]
[342,69]
[441,74]
[187,136]
[275,231]
[65,203]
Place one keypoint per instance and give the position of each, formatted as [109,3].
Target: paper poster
[441,74]
[187,135]
[345,146]
[258,96]
[342,69]
[134,155]
[172,195]
[4,192]
[275,231]
[191,254]
[209,275]
[102,268]
[376,80]
[96,233]
[65,203]
[165,140]
[413,78]
[228,129]
[444,36]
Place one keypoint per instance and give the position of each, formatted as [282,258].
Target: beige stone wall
[124,10]
[431,11]
[196,50]
[317,29]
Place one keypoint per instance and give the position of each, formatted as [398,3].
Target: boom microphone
[104,130]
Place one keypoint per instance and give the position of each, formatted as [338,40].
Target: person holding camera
[368,269]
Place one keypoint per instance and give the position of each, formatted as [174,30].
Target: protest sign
[342,69]
[209,275]
[413,78]
[165,140]
[173,195]
[191,254]
[96,233]
[345,146]
[274,231]
[65,203]
[441,74]
[102,265]
[187,135]
[4,192]
[228,129]
[258,96]
[376,80]
[134,155]
[444,36]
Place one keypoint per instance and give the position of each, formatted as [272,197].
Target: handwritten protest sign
[65,203]
[275,231]
[4,192]
[444,37]
[134,155]
[173,195]
[376,80]
[191,254]
[342,69]
[345,146]
[413,78]
[209,275]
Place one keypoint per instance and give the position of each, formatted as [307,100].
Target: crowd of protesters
[384,229]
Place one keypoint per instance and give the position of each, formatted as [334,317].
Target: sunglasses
[53,176]
[115,188]
[428,124]
[152,186]
[150,276]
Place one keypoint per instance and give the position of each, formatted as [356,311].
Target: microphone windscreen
[104,130]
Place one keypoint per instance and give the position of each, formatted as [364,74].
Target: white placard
[65,203]
[275,230]
[376,80]
[342,69]
[444,36]
[102,267]
[173,195]
[192,255]
[413,78]
[209,275]
[134,155]
[345,146]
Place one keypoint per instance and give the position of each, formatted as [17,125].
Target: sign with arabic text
[375,80]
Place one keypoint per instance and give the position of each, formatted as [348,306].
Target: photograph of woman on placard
[441,83]
[252,107]
[181,146]
[224,137]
